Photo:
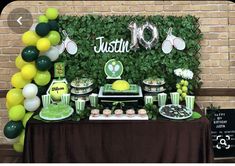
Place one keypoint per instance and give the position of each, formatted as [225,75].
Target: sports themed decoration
[113,69]
[59,70]
[57,89]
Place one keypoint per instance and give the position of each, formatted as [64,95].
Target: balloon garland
[34,62]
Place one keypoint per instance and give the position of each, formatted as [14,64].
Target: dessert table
[87,141]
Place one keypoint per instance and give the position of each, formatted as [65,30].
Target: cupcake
[130,112]
[95,112]
[107,112]
[118,112]
[142,112]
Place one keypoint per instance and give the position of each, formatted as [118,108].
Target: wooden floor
[8,155]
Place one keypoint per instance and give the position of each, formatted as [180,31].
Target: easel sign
[113,69]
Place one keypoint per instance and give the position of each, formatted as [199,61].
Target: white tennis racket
[69,44]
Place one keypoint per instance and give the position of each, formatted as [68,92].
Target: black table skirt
[118,141]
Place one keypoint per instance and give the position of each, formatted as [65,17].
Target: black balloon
[53,25]
[43,63]
[13,129]
[30,53]
[42,29]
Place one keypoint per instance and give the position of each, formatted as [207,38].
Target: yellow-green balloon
[30,38]
[26,118]
[16,113]
[42,78]
[52,13]
[54,37]
[18,147]
[42,18]
[22,136]
[43,44]
[19,62]
[14,96]
[18,81]
[28,71]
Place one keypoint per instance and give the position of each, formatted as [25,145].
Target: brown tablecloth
[118,141]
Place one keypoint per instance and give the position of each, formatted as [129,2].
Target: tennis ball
[184,95]
[16,113]
[179,91]
[184,89]
[178,86]
[52,13]
[185,83]
[120,85]
[57,90]
[42,18]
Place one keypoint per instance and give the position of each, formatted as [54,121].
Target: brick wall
[217,20]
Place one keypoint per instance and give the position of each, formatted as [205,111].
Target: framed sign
[59,70]
[223,133]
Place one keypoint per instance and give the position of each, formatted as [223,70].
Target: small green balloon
[18,147]
[13,129]
[52,13]
[22,136]
[54,37]
[42,18]
[16,113]
[30,53]
[53,25]
[26,118]
[42,29]
[196,115]
[43,63]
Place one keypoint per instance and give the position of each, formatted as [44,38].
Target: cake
[95,112]
[121,85]
[118,112]
[142,112]
[107,112]
[130,112]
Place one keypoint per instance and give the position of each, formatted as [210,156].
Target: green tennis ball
[196,115]
[57,90]
[16,113]
[22,136]
[18,147]
[42,18]
[53,25]
[26,118]
[52,13]
[42,29]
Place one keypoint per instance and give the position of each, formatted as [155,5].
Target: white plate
[175,118]
[47,118]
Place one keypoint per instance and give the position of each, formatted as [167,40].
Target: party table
[118,141]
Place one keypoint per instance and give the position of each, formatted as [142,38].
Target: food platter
[154,90]
[81,91]
[176,112]
[56,112]
[82,83]
[152,81]
[74,98]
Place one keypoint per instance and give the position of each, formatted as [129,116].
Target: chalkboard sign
[223,133]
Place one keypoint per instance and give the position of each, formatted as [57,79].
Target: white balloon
[12,141]
[30,91]
[53,53]
[32,104]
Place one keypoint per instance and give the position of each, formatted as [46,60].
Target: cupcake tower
[153,85]
[81,88]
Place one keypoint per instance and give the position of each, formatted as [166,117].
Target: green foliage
[211,110]
[137,65]
[152,111]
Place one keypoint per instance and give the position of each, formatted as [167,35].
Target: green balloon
[22,136]
[43,63]
[53,25]
[30,53]
[16,113]
[42,78]
[18,147]
[54,37]
[42,29]
[13,129]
